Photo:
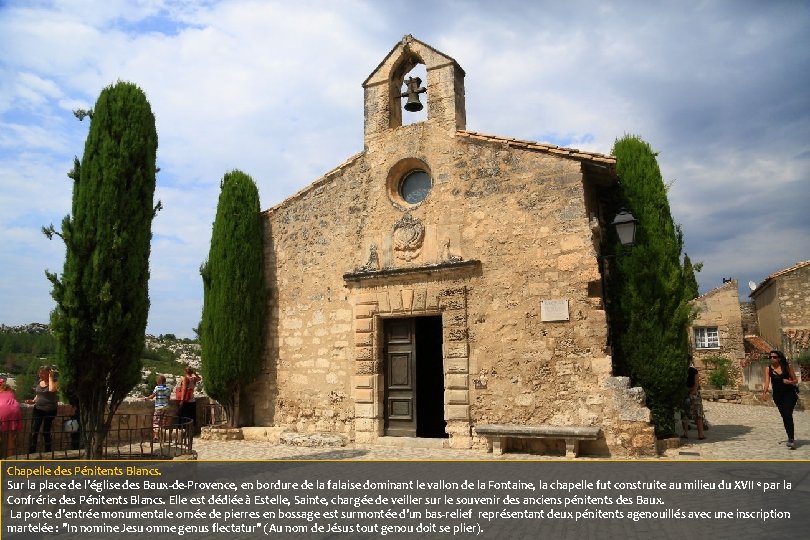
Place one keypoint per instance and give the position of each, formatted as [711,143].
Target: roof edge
[799,265]
[580,155]
[726,285]
[327,177]
[404,42]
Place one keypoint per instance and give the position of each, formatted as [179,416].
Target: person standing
[185,395]
[694,403]
[10,420]
[45,404]
[781,377]
[161,395]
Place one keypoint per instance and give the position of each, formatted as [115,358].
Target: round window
[415,187]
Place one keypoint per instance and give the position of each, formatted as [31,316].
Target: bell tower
[444,89]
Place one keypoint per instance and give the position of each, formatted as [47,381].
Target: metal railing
[214,414]
[131,436]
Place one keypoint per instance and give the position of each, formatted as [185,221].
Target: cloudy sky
[720,89]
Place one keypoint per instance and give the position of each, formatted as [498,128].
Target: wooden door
[400,378]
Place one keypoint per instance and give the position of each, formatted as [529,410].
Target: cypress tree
[102,299]
[690,281]
[231,330]
[649,310]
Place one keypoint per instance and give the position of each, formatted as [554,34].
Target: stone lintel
[443,270]
[364,311]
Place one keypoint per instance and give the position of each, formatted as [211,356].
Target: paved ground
[738,432]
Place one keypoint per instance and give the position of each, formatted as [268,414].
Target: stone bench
[497,435]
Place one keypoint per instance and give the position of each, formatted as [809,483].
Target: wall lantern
[625,225]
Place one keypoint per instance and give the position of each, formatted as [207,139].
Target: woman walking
[781,377]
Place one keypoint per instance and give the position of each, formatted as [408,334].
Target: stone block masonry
[503,226]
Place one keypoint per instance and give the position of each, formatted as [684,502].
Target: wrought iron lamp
[625,225]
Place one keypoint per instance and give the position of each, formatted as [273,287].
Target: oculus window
[408,183]
[415,187]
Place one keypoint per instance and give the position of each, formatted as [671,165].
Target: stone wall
[720,308]
[794,298]
[748,314]
[504,228]
[783,304]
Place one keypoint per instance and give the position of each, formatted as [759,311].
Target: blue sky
[720,89]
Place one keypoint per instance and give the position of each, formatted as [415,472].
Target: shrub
[149,382]
[719,373]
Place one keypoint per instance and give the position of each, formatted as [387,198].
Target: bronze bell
[413,104]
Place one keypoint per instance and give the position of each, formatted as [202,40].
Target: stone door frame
[368,387]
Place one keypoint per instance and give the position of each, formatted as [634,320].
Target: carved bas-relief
[447,253]
[373,262]
[408,236]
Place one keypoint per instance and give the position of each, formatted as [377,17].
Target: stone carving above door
[408,236]
[373,263]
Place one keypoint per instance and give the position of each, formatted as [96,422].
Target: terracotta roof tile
[756,345]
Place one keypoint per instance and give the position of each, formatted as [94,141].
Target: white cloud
[273,88]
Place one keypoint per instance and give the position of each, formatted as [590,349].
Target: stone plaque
[554,310]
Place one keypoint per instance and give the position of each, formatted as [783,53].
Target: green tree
[101,297]
[231,330]
[690,281]
[27,379]
[650,313]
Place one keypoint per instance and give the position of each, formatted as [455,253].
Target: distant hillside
[24,348]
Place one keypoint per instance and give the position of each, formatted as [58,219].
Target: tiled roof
[780,273]
[800,337]
[757,345]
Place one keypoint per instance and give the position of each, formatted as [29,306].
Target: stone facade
[720,309]
[748,313]
[783,305]
[502,251]
[756,359]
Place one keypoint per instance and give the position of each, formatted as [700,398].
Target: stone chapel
[441,280]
